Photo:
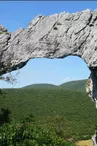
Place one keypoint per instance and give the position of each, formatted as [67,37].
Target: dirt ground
[84,143]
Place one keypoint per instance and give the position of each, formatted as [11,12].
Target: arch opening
[52,71]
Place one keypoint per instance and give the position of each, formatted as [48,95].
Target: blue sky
[15,15]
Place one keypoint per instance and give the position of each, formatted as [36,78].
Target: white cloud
[67,79]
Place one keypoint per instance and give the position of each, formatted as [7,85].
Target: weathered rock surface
[94,139]
[54,36]
[89,87]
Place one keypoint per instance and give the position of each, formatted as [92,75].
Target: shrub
[27,133]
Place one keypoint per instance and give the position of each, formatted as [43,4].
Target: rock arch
[54,36]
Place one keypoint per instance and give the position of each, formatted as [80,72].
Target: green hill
[42,85]
[74,85]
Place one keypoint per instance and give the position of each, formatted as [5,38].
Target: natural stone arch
[54,36]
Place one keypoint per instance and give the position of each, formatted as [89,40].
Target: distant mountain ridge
[41,85]
[74,85]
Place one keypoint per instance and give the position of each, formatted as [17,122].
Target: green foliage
[4,116]
[70,113]
[27,133]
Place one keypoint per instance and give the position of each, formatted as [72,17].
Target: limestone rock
[89,87]
[54,36]
[94,139]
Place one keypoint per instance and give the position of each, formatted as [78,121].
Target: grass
[84,143]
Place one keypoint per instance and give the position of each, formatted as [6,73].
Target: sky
[17,14]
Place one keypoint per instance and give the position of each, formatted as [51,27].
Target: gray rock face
[94,139]
[89,86]
[54,36]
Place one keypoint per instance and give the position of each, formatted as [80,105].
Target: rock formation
[94,139]
[54,36]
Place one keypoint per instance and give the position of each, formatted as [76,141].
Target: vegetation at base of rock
[28,133]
